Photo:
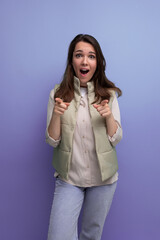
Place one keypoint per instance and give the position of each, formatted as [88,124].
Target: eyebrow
[82,51]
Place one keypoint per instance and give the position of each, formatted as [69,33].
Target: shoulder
[51,95]
[52,92]
[112,92]
[113,95]
[56,87]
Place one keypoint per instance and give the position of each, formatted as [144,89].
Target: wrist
[109,117]
[55,115]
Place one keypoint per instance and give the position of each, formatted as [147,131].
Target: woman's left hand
[103,109]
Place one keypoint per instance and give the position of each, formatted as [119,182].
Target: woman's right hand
[60,107]
[54,128]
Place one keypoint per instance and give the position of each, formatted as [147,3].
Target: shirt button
[83,136]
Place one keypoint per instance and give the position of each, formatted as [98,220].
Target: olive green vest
[106,153]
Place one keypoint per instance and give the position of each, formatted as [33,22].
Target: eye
[92,56]
[78,55]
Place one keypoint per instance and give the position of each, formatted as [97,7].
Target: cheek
[75,65]
[94,67]
[94,64]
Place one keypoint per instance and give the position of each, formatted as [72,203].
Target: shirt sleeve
[50,140]
[116,114]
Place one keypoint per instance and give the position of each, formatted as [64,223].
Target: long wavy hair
[102,85]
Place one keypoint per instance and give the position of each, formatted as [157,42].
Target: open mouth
[84,71]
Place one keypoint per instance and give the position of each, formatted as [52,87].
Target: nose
[84,60]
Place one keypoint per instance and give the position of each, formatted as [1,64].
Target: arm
[105,112]
[53,130]
[113,122]
[111,125]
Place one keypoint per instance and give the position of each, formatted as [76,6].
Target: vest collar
[77,86]
[90,86]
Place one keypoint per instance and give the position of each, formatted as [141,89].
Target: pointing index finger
[104,102]
[59,101]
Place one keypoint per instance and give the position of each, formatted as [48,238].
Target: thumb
[95,105]
[67,104]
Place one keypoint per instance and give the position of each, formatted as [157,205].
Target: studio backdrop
[35,35]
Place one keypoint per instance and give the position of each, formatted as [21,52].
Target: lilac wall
[34,43]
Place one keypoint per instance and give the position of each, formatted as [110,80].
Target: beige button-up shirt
[84,170]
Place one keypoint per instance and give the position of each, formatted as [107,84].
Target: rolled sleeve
[52,142]
[116,138]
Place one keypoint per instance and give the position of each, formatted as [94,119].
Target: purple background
[33,48]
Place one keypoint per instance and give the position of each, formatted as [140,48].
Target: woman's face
[84,62]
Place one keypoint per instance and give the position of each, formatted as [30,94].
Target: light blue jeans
[67,204]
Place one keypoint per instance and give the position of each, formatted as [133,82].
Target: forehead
[85,47]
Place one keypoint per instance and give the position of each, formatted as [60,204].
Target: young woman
[83,125]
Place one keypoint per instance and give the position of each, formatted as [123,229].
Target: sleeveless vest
[106,153]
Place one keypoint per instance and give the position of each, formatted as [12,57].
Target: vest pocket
[108,164]
[61,161]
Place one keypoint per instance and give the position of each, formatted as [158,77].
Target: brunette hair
[102,85]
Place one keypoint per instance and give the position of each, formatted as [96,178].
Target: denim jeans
[67,203]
